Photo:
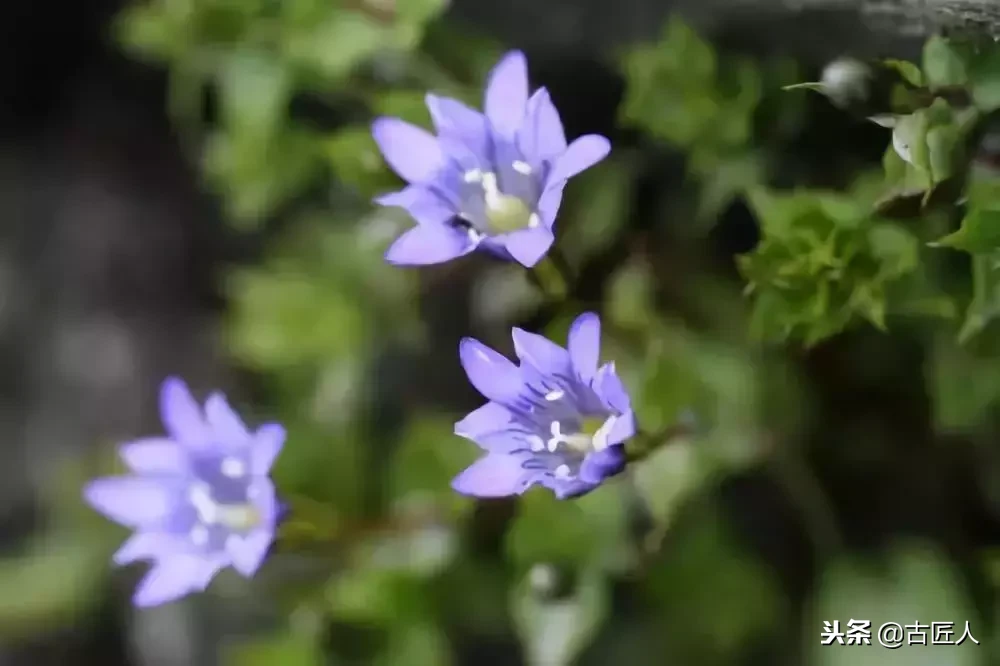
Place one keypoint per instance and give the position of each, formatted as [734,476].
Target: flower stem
[551,277]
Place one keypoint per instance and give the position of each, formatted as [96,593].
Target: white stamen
[199,535]
[522,167]
[473,176]
[600,439]
[491,191]
[537,443]
[554,395]
[534,220]
[200,496]
[557,437]
[234,468]
[562,472]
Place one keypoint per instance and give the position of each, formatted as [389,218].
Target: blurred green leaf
[600,208]
[943,64]
[554,632]
[254,92]
[416,644]
[909,71]
[985,305]
[630,302]
[714,597]
[979,233]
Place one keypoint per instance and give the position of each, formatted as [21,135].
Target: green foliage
[823,262]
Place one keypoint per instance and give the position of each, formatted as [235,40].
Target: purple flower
[492,180]
[557,420]
[198,500]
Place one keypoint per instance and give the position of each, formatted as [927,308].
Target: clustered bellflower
[557,419]
[490,180]
[198,500]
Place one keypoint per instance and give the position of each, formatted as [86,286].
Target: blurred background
[186,188]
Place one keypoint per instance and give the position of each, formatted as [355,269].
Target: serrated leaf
[978,234]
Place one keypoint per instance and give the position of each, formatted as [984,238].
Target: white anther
[562,472]
[554,395]
[534,220]
[522,167]
[473,176]
[234,468]
[537,443]
[200,496]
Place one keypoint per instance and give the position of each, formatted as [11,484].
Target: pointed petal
[225,422]
[131,501]
[173,578]
[155,454]
[528,246]
[429,244]
[585,345]
[412,152]
[600,465]
[490,418]
[492,374]
[181,414]
[422,204]
[541,353]
[610,390]
[582,154]
[457,122]
[248,553]
[624,428]
[267,445]
[549,202]
[541,137]
[493,475]
[264,497]
[507,94]
[146,546]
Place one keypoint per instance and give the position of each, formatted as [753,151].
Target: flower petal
[528,246]
[585,345]
[549,202]
[492,374]
[493,475]
[507,94]
[422,204]
[610,390]
[131,501]
[412,152]
[454,120]
[541,353]
[173,578]
[567,488]
[225,422]
[600,465]
[429,244]
[267,445]
[147,546]
[155,454]
[490,418]
[248,553]
[582,154]
[181,414]
[541,137]
[623,428]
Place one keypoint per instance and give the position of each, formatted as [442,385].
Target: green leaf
[550,530]
[979,233]
[415,644]
[985,305]
[596,215]
[810,85]
[914,584]
[335,46]
[555,632]
[943,65]
[985,81]
[909,71]
[254,92]
[630,303]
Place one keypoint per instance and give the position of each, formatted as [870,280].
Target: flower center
[503,212]
[222,498]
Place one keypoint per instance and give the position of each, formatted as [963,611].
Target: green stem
[551,278]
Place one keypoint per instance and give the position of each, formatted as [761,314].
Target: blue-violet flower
[198,500]
[492,181]
[556,420]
